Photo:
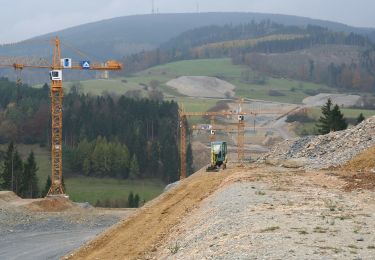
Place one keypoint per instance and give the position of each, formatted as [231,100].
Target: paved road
[43,245]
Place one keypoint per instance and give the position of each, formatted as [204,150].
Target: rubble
[325,151]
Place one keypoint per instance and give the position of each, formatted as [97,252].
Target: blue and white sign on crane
[66,63]
[85,64]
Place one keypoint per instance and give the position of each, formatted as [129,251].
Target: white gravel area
[202,86]
[278,215]
[344,100]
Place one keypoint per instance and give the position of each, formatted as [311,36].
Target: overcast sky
[22,19]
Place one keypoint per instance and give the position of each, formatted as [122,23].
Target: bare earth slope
[141,234]
[201,86]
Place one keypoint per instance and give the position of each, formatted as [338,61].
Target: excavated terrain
[288,210]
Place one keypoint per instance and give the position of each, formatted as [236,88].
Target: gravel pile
[330,150]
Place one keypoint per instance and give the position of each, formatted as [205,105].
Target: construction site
[252,187]
[303,197]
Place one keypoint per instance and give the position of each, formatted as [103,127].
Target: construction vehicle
[218,156]
[56,94]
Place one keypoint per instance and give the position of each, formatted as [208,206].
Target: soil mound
[50,205]
[362,162]
[8,196]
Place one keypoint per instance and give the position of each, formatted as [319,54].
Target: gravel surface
[324,151]
[49,235]
[202,86]
[339,99]
[280,215]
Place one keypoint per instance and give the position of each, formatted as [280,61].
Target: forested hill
[118,37]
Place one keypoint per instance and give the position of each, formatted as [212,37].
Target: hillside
[117,37]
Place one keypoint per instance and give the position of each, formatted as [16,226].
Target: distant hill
[118,37]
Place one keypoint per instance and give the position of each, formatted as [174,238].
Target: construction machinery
[56,94]
[183,124]
[218,156]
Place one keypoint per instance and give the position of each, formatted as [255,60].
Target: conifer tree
[136,201]
[134,167]
[360,118]
[29,180]
[46,187]
[332,119]
[131,200]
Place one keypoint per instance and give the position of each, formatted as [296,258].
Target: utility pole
[153,7]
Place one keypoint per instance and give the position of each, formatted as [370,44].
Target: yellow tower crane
[56,95]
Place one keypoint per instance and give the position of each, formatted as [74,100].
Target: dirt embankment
[141,234]
[246,213]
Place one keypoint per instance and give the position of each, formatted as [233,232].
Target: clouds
[23,19]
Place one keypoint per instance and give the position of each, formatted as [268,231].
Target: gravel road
[50,235]
[278,214]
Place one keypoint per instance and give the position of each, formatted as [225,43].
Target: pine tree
[338,120]
[46,187]
[324,125]
[332,119]
[360,118]
[8,169]
[136,201]
[134,167]
[29,180]
[17,173]
[131,200]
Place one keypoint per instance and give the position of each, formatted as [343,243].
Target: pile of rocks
[324,151]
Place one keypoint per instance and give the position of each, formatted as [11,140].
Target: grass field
[82,189]
[348,112]
[292,91]
[90,189]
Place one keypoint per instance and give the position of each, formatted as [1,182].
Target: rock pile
[330,150]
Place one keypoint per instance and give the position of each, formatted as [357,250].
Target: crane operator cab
[56,75]
[218,156]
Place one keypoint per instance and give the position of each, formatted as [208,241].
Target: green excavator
[218,156]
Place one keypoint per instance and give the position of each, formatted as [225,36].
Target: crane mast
[56,95]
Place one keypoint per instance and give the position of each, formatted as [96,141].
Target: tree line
[104,136]
[17,175]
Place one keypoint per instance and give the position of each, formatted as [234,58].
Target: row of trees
[19,176]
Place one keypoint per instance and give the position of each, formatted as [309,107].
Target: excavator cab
[218,156]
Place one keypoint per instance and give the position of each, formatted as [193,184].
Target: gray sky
[22,19]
